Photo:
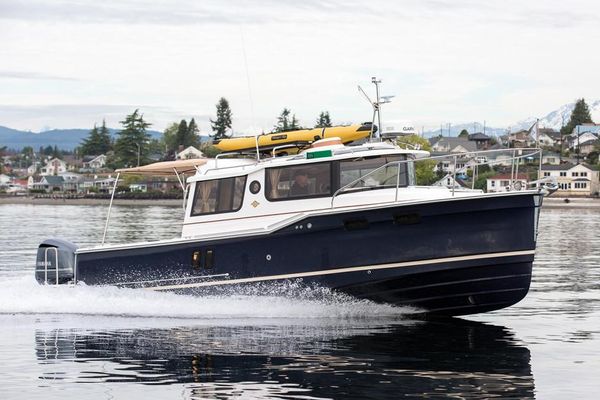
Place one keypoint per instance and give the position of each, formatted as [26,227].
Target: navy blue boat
[347,218]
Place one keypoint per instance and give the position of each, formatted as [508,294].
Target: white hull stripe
[345,270]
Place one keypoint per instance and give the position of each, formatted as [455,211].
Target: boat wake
[291,300]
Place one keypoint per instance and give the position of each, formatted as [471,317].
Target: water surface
[108,343]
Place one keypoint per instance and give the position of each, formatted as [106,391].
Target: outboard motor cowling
[55,262]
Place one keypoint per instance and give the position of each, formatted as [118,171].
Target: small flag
[534,132]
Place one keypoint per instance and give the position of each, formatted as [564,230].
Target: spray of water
[286,300]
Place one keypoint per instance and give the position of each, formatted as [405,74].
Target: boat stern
[55,263]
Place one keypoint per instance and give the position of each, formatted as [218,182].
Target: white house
[449,182]
[96,162]
[54,167]
[504,183]
[574,179]
[189,153]
[551,158]
[452,145]
[32,169]
[544,140]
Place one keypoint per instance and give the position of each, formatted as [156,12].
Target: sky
[73,63]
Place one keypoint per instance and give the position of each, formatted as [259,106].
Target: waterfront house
[48,183]
[94,163]
[449,181]
[452,145]
[189,153]
[482,141]
[574,179]
[54,167]
[550,158]
[504,183]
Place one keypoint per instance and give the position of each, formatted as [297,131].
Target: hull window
[218,196]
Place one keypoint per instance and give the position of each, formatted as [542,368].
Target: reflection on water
[354,360]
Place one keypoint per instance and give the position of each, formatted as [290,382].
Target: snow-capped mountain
[554,120]
[557,118]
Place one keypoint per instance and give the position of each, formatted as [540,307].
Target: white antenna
[376,105]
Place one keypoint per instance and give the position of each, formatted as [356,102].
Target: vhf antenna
[376,106]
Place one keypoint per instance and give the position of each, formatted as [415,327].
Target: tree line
[133,146]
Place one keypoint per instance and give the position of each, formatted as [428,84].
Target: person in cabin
[300,185]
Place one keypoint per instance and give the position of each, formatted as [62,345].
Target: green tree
[105,140]
[97,142]
[285,124]
[223,121]
[424,170]
[464,134]
[169,140]
[580,115]
[324,120]
[2,151]
[132,142]
[181,136]
[193,132]
[210,151]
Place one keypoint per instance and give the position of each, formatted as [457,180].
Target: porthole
[254,187]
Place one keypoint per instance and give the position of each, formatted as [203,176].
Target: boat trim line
[345,270]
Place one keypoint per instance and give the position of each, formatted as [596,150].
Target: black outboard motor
[55,262]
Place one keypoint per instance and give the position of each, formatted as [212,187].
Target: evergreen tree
[464,134]
[324,120]
[88,146]
[181,136]
[580,115]
[193,132]
[223,121]
[105,141]
[284,124]
[132,141]
[98,141]
[169,140]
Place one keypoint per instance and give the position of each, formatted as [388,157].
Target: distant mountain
[556,118]
[66,139]
[456,129]
[553,119]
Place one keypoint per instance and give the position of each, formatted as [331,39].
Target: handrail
[526,152]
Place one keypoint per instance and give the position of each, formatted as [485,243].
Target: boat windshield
[322,179]
[352,170]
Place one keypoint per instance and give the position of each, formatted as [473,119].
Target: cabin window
[298,181]
[351,170]
[218,196]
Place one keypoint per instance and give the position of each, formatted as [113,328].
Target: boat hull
[450,257]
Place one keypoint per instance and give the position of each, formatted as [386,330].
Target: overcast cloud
[73,63]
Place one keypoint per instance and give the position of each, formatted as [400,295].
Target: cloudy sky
[70,63]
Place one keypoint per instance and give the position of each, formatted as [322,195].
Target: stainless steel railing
[473,160]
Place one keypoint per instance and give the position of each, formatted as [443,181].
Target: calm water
[108,343]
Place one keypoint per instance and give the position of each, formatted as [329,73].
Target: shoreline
[571,202]
[549,202]
[90,202]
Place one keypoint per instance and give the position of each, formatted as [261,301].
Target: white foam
[26,296]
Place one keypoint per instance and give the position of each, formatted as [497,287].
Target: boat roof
[231,167]
[166,167]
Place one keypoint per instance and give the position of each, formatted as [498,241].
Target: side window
[351,170]
[301,181]
[218,196]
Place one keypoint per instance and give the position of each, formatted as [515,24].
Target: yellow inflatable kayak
[303,137]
